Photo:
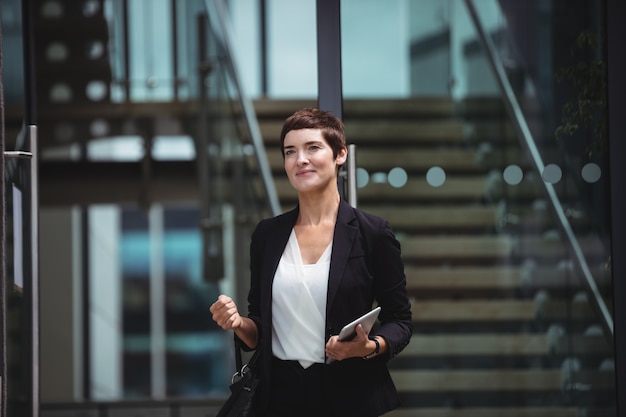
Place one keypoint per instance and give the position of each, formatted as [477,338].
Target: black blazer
[365,266]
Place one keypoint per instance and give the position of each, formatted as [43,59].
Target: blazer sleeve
[389,285]
[254,293]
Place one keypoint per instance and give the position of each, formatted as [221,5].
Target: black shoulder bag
[243,386]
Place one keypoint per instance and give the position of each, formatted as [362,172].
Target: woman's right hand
[225,313]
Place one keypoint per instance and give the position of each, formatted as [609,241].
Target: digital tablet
[349,330]
[366,320]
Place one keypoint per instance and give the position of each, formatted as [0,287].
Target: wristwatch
[375,352]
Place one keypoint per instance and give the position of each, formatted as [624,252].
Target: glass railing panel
[195,360]
[236,109]
[569,170]
[177,257]
[159,255]
[504,319]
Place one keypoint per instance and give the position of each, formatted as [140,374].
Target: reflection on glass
[52,9]
[591,172]
[397,177]
[552,174]
[436,177]
[60,93]
[64,132]
[99,127]
[513,175]
[119,148]
[362,177]
[95,50]
[379,178]
[170,148]
[96,90]
[91,8]
[57,51]
[195,357]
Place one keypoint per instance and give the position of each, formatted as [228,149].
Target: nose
[302,159]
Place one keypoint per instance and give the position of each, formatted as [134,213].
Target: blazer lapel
[343,240]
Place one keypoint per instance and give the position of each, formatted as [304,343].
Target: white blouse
[299,306]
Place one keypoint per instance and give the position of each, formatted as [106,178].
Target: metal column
[616,64]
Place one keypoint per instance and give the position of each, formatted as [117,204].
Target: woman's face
[309,161]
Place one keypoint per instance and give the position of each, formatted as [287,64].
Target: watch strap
[376,350]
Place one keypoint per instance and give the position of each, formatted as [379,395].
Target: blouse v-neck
[325,256]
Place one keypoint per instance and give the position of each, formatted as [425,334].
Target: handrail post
[351,176]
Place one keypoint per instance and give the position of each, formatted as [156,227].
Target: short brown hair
[313,118]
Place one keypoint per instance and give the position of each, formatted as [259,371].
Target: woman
[313,270]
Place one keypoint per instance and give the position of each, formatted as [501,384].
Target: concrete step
[498,380]
[508,344]
[495,310]
[477,344]
[487,412]
[493,278]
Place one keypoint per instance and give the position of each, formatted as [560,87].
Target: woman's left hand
[356,347]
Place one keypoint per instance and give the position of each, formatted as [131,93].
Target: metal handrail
[528,142]
[219,20]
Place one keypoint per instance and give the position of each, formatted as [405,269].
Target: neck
[318,210]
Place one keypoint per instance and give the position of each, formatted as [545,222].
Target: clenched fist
[225,313]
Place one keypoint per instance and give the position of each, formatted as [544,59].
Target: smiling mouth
[303,173]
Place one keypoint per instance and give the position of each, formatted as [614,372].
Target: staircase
[502,326]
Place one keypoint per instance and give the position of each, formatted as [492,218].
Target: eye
[315,147]
[289,152]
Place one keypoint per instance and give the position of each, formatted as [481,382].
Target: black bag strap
[238,357]
[238,360]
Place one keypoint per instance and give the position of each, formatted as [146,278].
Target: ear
[342,155]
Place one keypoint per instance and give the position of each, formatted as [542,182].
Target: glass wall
[290,48]
[483,154]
